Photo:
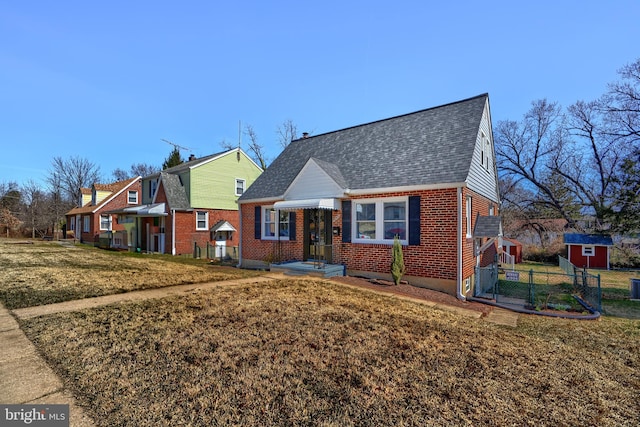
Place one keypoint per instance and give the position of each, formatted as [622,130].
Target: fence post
[532,291]
[599,295]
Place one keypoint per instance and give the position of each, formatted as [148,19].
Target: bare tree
[528,153]
[37,212]
[255,148]
[137,169]
[72,174]
[622,104]
[287,132]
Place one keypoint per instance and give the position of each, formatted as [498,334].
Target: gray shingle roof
[175,191]
[487,226]
[432,146]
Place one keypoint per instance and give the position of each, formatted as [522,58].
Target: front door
[317,235]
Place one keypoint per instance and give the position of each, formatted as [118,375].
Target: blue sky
[107,81]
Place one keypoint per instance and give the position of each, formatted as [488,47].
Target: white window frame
[153,187]
[132,193]
[107,219]
[588,250]
[379,220]
[265,220]
[485,151]
[206,220]
[86,222]
[468,215]
[244,186]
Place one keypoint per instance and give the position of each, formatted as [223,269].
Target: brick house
[92,216]
[192,204]
[429,177]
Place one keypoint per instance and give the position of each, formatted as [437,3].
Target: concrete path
[25,378]
[500,316]
[81,304]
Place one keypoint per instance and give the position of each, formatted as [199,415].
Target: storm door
[317,235]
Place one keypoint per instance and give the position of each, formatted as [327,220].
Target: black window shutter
[258,223]
[414,220]
[292,226]
[346,221]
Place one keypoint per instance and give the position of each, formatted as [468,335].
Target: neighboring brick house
[92,216]
[429,177]
[191,204]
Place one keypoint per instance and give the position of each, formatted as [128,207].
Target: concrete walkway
[81,304]
[26,378]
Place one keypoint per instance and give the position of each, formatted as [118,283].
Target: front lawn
[46,272]
[301,352]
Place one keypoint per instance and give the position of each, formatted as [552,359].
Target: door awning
[155,209]
[222,225]
[291,205]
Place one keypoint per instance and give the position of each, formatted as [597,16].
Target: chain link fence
[541,290]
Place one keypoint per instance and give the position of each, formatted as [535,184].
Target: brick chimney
[192,157]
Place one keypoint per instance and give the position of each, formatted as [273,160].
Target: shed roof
[588,239]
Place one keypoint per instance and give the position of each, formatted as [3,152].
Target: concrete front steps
[308,268]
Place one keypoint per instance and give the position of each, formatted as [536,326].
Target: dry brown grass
[301,352]
[45,273]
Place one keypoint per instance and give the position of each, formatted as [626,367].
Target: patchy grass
[301,352]
[45,273]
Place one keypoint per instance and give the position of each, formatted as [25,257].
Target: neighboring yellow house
[192,205]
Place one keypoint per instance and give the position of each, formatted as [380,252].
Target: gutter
[459,293]
[240,239]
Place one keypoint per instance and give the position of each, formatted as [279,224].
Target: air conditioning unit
[635,289]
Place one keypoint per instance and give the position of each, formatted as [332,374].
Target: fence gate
[486,280]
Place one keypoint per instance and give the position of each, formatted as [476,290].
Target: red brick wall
[187,235]
[435,257]
[118,202]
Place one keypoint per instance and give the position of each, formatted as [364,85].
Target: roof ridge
[486,94]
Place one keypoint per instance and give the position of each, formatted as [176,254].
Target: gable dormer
[317,178]
[99,192]
[85,196]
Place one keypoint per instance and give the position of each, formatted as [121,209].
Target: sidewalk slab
[504,317]
[7,322]
[77,417]
[15,345]
[26,379]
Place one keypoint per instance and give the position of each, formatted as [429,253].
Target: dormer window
[132,197]
[485,150]
[153,185]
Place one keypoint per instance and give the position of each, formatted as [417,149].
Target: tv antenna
[179,147]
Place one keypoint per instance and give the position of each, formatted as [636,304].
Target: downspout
[240,238]
[459,293]
[173,231]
